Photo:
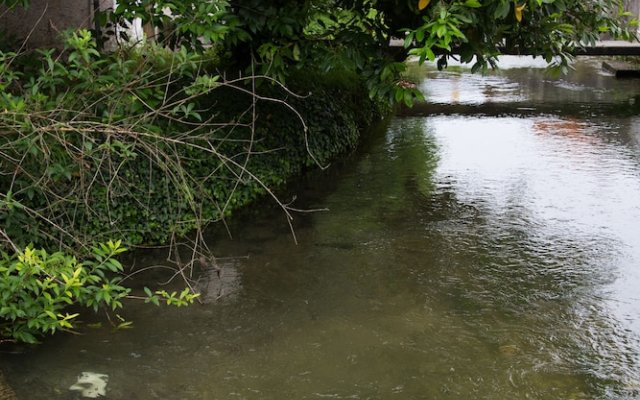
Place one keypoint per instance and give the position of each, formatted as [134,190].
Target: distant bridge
[601,48]
[609,48]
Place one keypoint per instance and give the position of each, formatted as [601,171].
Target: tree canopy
[281,35]
[355,34]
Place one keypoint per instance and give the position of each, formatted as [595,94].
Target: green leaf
[502,10]
[408,98]
[398,94]
[296,52]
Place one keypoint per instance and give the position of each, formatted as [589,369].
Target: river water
[485,245]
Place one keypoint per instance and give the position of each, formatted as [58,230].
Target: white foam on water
[91,384]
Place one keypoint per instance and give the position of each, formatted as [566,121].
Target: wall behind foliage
[43,21]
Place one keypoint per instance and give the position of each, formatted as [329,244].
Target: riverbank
[97,150]
[99,154]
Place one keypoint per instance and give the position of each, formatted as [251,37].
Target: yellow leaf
[422,4]
[518,10]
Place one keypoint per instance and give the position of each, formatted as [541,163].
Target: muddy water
[474,255]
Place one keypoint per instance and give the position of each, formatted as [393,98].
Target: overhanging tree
[283,35]
[354,34]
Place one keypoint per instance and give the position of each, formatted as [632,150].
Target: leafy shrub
[148,145]
[145,146]
[37,287]
[92,145]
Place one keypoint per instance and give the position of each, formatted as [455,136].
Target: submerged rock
[216,283]
[509,350]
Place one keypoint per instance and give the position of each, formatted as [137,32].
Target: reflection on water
[524,80]
[459,88]
[462,257]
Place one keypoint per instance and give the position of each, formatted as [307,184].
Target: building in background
[41,24]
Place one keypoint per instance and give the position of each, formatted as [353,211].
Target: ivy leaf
[518,11]
[422,4]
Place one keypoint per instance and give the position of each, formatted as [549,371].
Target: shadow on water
[462,256]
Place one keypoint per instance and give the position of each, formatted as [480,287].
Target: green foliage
[98,146]
[15,3]
[144,144]
[83,136]
[36,289]
[548,28]
[283,37]
[280,38]
[184,298]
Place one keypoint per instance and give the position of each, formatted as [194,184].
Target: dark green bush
[145,146]
[37,287]
[148,145]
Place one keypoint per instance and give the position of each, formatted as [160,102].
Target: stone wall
[43,21]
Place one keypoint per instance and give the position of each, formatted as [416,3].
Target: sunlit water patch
[556,228]
[452,87]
